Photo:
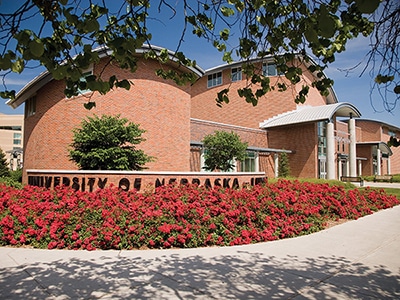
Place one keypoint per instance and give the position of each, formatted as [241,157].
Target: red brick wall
[371,131]
[365,151]
[159,106]
[238,112]
[395,158]
[254,137]
[141,181]
[302,139]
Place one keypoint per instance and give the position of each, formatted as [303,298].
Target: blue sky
[349,87]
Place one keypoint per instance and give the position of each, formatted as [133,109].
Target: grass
[389,191]
[346,185]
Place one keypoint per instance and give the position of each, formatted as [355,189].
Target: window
[236,74]
[391,133]
[83,80]
[322,139]
[214,79]
[30,106]
[17,138]
[250,163]
[202,163]
[269,69]
[11,128]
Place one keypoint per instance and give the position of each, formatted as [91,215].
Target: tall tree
[222,149]
[108,143]
[4,170]
[284,167]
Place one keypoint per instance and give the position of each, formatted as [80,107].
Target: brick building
[321,138]
[11,137]
[378,158]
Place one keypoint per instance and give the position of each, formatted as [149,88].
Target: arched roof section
[380,145]
[42,79]
[380,123]
[306,114]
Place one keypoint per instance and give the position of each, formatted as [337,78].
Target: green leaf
[326,23]
[382,79]
[227,11]
[227,57]
[8,94]
[18,66]
[367,6]
[224,34]
[311,35]
[125,84]
[89,105]
[59,73]
[397,89]
[36,47]
[23,37]
[91,25]
[5,63]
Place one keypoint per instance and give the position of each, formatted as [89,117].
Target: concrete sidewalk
[356,260]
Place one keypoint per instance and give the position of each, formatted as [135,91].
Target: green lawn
[391,191]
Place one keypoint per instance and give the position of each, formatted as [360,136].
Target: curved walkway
[355,260]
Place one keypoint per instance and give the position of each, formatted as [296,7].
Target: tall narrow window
[214,79]
[321,139]
[83,80]
[17,138]
[236,74]
[30,106]
[250,162]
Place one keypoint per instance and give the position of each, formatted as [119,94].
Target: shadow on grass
[183,275]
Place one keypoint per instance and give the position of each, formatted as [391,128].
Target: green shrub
[331,182]
[396,177]
[16,175]
[9,181]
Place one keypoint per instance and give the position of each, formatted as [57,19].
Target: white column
[352,147]
[388,165]
[378,161]
[276,164]
[359,168]
[330,151]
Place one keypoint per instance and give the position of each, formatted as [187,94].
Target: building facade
[377,157]
[321,137]
[11,139]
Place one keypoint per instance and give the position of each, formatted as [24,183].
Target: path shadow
[243,275]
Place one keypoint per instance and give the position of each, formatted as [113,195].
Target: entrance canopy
[305,114]
[380,145]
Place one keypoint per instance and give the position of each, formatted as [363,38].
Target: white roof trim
[305,114]
[45,77]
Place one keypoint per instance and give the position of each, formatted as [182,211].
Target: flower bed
[176,216]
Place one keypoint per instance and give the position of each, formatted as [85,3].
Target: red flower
[165,228]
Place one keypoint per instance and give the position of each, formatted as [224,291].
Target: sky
[348,86]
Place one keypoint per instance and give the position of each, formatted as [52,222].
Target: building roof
[382,123]
[306,114]
[45,77]
[381,145]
